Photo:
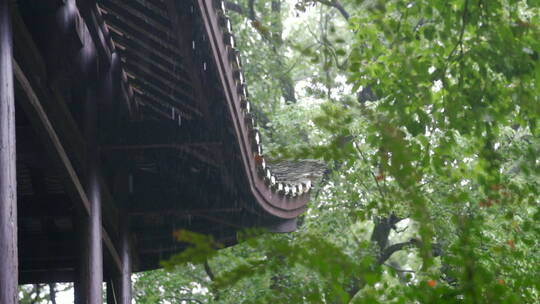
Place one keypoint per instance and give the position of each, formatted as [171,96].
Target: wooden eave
[165,88]
[179,144]
[281,199]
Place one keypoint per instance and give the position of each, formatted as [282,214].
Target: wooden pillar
[90,279]
[119,290]
[122,190]
[90,272]
[8,181]
[124,279]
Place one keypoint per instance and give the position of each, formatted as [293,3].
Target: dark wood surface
[8,181]
[172,150]
[91,249]
[275,204]
[62,141]
[119,285]
[123,279]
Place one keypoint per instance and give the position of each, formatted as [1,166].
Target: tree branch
[461,31]
[212,277]
[52,292]
[235,7]
[37,289]
[382,228]
[337,5]
[398,269]
[208,271]
[251,7]
[436,249]
[272,38]
[190,300]
[364,158]
[390,250]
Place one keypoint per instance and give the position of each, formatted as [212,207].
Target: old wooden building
[122,121]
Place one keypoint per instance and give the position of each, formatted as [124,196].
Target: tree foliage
[426,113]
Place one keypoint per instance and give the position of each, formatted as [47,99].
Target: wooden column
[90,276]
[91,254]
[119,290]
[124,279]
[8,181]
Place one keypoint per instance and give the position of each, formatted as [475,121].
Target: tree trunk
[52,292]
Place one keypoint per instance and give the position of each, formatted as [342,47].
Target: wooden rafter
[41,122]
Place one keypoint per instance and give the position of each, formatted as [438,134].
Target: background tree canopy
[426,115]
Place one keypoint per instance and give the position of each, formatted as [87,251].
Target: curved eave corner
[282,199]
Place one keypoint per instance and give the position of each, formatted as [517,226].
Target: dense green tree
[426,113]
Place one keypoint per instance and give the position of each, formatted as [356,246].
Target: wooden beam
[103,43]
[112,255]
[51,250]
[161,146]
[47,246]
[88,11]
[163,131]
[8,181]
[45,264]
[48,276]
[44,105]
[32,106]
[46,205]
[185,148]
[181,212]
[202,93]
[31,63]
